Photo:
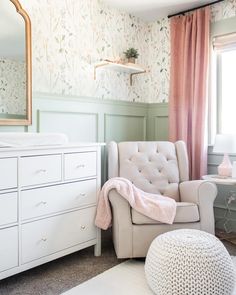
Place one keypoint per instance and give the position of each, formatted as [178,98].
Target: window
[225,48]
[226,93]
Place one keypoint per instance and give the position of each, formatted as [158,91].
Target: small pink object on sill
[226,144]
[225,168]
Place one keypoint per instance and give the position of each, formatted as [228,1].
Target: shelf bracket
[133,74]
[98,66]
[108,63]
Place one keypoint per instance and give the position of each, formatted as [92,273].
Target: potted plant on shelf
[131,54]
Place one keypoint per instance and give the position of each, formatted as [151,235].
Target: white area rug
[124,279]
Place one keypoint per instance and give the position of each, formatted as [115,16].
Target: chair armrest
[120,208]
[122,225]
[197,191]
[202,193]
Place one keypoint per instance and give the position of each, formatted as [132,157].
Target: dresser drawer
[8,208]
[8,173]
[8,248]
[48,200]
[79,165]
[40,169]
[48,236]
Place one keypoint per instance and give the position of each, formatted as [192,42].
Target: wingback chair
[161,168]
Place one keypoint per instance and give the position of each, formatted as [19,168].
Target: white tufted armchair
[161,168]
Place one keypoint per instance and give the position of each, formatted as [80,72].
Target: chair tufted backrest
[151,166]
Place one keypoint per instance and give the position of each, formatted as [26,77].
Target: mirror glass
[14,62]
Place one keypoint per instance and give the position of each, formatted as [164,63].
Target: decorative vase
[225,168]
[131,60]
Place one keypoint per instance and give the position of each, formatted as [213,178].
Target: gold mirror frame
[28,58]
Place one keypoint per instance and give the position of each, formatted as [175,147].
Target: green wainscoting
[88,119]
[157,127]
[124,127]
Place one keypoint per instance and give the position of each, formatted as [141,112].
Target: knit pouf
[189,262]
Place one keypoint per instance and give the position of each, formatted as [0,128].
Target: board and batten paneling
[87,119]
[78,126]
[124,128]
[90,120]
[157,126]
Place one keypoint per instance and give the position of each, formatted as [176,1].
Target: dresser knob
[80,166]
[44,239]
[42,203]
[82,195]
[42,171]
[83,227]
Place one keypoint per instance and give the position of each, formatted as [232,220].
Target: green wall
[157,127]
[87,119]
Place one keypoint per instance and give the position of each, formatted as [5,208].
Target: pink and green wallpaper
[159,48]
[70,36]
[13,85]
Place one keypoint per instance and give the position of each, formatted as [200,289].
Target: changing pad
[15,139]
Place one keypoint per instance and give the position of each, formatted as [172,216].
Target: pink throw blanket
[155,206]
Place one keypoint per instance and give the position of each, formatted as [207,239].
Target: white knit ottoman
[189,262]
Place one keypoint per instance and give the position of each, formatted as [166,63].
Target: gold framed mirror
[15,64]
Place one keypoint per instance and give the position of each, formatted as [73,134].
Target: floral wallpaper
[223,10]
[70,36]
[13,86]
[159,50]
[159,61]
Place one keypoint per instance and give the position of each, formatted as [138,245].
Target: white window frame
[219,97]
[218,93]
[220,28]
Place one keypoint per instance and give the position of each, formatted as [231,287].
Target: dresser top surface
[70,145]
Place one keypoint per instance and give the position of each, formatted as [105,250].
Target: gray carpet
[65,273]
[62,274]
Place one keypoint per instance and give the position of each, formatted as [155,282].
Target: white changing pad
[15,139]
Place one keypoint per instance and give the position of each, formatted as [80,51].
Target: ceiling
[151,10]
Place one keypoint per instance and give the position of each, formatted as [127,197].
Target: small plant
[131,53]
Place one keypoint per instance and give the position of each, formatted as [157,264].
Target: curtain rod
[192,9]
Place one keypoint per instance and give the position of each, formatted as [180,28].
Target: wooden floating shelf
[129,68]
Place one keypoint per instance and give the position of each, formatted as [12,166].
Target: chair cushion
[151,166]
[185,213]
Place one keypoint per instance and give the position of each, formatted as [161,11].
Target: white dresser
[48,198]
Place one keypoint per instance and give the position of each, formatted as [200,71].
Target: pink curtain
[188,86]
